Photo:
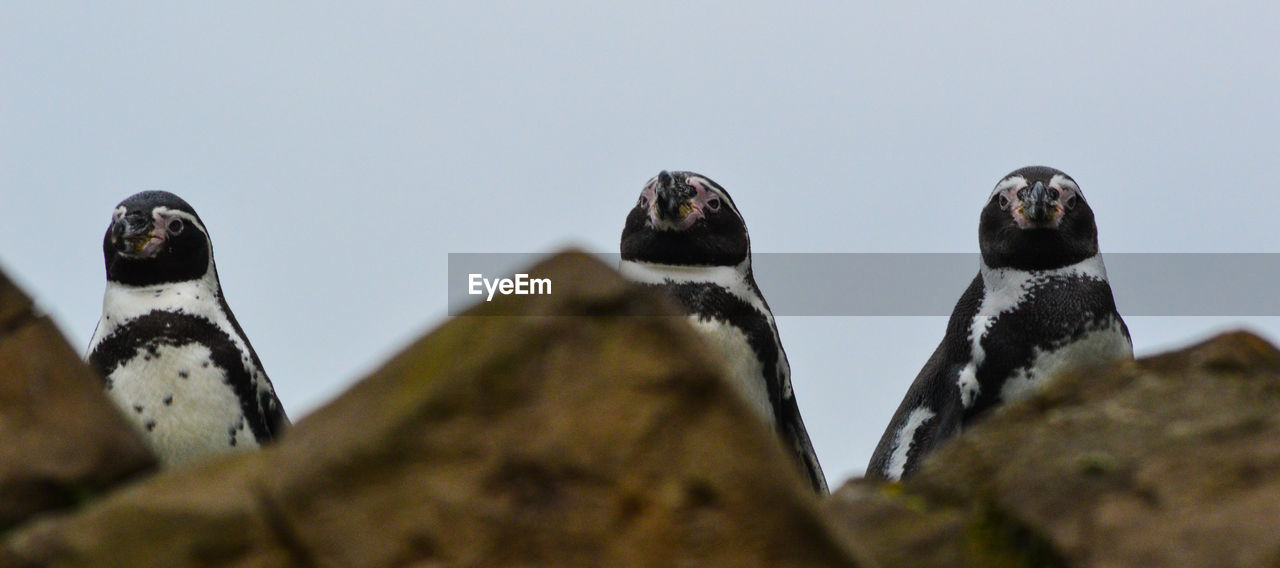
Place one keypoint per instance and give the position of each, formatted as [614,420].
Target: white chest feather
[1004,289]
[177,399]
[1098,346]
[176,396]
[745,370]
[122,304]
[731,278]
[732,346]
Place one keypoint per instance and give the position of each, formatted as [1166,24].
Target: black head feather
[684,218]
[156,237]
[1037,219]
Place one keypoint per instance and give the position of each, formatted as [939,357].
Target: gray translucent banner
[928,284]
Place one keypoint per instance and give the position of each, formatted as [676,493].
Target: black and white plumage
[686,237]
[1040,305]
[172,354]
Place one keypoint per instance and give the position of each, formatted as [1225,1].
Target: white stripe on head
[1064,184]
[1061,180]
[1015,183]
[211,272]
[187,217]
[708,185]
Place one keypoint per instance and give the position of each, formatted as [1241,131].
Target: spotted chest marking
[202,298]
[181,402]
[1007,289]
[188,385]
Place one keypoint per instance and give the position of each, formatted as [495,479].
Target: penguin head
[156,237]
[1035,219]
[684,218]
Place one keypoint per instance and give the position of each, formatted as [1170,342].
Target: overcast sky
[339,153]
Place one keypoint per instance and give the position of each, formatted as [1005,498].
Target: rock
[898,529]
[1171,460]
[62,442]
[601,438]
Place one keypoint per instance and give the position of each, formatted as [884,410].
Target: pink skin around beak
[690,211]
[1025,222]
[1018,207]
[149,244]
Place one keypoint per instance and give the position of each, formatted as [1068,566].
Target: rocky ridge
[591,431]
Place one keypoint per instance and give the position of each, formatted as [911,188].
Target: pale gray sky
[337,153]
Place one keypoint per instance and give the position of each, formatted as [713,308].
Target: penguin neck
[1009,278]
[201,298]
[121,303]
[736,279]
[658,273]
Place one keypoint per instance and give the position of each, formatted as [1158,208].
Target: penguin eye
[713,204]
[1004,201]
[644,201]
[175,226]
[1069,201]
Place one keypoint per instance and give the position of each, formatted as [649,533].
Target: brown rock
[601,439]
[61,440]
[899,529]
[1171,460]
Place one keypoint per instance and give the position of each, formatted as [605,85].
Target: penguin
[172,355]
[1040,305]
[686,238]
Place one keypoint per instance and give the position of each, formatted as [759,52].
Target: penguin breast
[181,403]
[730,346]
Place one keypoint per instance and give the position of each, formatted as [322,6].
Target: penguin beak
[134,235]
[1039,205]
[673,200]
